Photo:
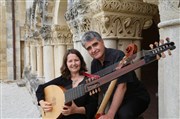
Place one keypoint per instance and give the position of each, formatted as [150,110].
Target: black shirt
[134,86]
[89,102]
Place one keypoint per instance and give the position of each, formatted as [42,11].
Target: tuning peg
[89,79]
[93,92]
[169,52]
[96,91]
[99,89]
[156,44]
[90,93]
[151,46]
[157,56]
[162,54]
[168,40]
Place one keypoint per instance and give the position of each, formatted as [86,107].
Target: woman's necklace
[74,81]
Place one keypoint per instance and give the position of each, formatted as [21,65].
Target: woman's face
[73,63]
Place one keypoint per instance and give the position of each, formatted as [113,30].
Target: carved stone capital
[120,26]
[78,8]
[46,34]
[126,6]
[32,42]
[37,38]
[27,42]
[61,35]
[39,41]
[78,18]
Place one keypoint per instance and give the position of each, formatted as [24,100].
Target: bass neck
[115,74]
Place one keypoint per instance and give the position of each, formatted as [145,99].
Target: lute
[59,96]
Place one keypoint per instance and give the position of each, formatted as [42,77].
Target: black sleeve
[91,106]
[40,89]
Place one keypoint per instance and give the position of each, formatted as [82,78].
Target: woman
[72,72]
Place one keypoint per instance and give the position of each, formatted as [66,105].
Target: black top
[134,86]
[89,102]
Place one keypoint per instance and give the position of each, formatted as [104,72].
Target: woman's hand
[46,106]
[68,110]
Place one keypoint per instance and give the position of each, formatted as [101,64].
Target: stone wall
[169,68]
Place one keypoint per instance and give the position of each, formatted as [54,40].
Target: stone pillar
[39,53]
[39,61]
[59,51]
[33,58]
[48,52]
[27,54]
[169,68]
[48,56]
[61,36]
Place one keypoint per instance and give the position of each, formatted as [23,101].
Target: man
[129,98]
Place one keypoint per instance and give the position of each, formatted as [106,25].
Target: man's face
[95,48]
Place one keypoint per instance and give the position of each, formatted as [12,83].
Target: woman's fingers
[46,106]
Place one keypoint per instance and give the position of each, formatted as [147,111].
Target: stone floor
[16,102]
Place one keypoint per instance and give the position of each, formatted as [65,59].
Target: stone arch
[60,9]
[38,16]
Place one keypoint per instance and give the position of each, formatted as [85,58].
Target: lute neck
[74,93]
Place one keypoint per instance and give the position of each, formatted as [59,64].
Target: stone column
[169,68]
[59,51]
[39,61]
[33,58]
[27,54]
[61,36]
[48,56]
[48,52]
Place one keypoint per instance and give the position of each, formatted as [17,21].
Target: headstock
[157,52]
[130,51]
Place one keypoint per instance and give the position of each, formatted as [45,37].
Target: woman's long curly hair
[64,69]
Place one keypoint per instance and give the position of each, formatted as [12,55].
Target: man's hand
[106,116]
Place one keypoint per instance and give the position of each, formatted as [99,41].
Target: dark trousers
[132,108]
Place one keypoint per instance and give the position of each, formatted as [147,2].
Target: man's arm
[117,99]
